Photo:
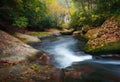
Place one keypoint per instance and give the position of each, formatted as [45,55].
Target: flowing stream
[67,53]
[66,50]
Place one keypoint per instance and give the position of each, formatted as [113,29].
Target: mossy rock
[77,33]
[86,28]
[67,32]
[26,38]
[113,47]
[92,34]
[39,33]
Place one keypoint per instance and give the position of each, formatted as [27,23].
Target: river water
[64,49]
[67,49]
[67,53]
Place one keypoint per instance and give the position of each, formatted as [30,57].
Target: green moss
[36,65]
[86,48]
[67,32]
[40,33]
[22,39]
[89,36]
[112,47]
[25,40]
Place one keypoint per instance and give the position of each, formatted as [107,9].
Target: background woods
[94,12]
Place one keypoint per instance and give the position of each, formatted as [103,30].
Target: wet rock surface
[20,62]
[90,72]
[13,50]
[31,73]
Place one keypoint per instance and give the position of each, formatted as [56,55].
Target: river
[66,50]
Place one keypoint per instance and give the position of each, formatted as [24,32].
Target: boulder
[105,38]
[27,38]
[13,51]
[77,33]
[67,32]
[90,72]
[20,62]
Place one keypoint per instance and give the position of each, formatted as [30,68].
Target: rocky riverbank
[20,62]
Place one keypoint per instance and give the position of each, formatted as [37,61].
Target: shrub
[21,22]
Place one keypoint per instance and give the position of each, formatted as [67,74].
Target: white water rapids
[65,51]
[66,57]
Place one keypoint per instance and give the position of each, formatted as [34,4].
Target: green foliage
[94,12]
[85,29]
[79,19]
[21,22]
[64,25]
[25,13]
[108,7]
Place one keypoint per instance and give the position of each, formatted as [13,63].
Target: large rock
[104,39]
[27,38]
[92,34]
[77,33]
[13,51]
[82,32]
[31,73]
[67,32]
[91,72]
[20,62]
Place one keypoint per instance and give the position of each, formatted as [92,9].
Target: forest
[59,40]
[51,13]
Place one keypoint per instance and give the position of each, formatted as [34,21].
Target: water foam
[65,57]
